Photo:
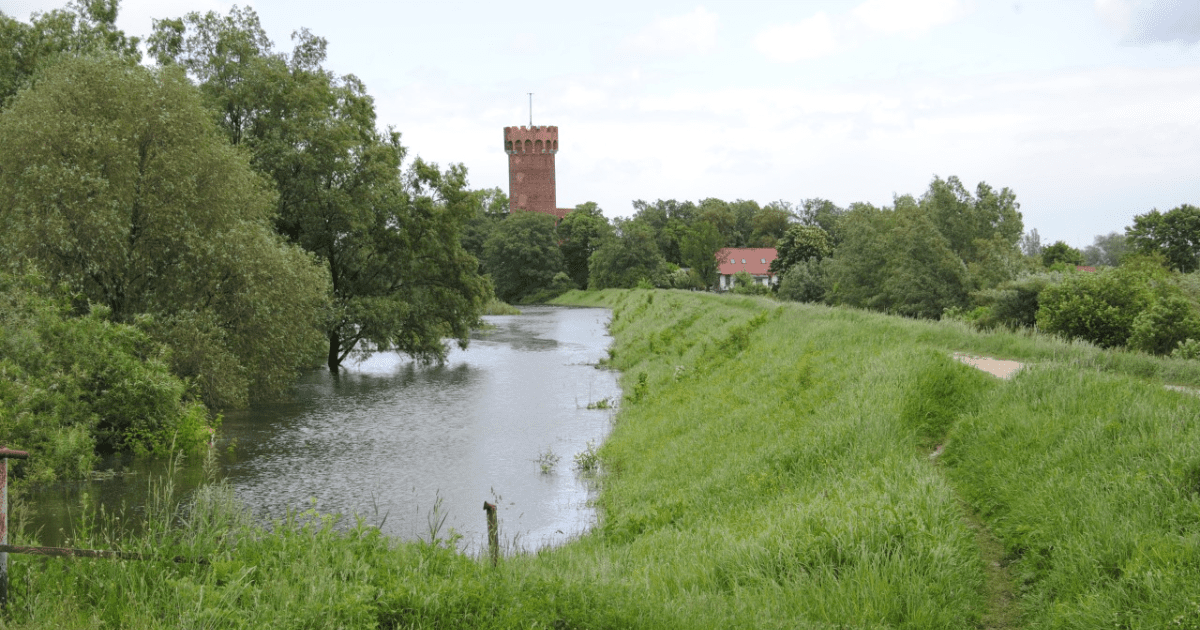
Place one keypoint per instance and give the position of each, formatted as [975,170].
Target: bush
[1096,307]
[76,386]
[805,281]
[1014,304]
[1167,323]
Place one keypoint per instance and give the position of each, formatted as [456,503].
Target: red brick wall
[531,184]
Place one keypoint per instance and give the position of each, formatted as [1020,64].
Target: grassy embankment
[769,468]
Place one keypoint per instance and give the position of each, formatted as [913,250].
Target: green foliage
[1188,349]
[744,284]
[522,256]
[699,249]
[922,257]
[1169,321]
[1106,250]
[625,261]
[770,223]
[800,243]
[489,209]
[1060,252]
[73,387]
[1095,307]
[580,234]
[115,181]
[1175,234]
[84,27]
[805,281]
[1014,304]
[824,214]
[390,238]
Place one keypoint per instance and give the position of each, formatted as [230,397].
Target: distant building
[755,261]
[531,184]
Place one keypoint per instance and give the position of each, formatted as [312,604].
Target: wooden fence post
[493,532]
[5,454]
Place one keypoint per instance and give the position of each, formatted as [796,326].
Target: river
[389,439]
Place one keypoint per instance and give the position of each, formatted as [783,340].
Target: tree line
[231,215]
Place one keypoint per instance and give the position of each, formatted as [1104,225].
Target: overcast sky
[1088,109]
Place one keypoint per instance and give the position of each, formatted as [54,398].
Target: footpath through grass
[769,468]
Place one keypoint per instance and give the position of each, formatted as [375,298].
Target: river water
[388,440]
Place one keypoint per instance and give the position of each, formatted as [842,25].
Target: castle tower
[531,168]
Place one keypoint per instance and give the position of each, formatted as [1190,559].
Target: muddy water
[389,440]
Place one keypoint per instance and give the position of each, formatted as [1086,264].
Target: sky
[1089,110]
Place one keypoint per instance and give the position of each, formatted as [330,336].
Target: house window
[743,261]
[732,261]
[764,261]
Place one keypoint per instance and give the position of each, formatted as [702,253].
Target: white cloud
[808,39]
[694,32]
[1142,22]
[907,16]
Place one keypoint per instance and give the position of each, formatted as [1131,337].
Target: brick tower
[531,169]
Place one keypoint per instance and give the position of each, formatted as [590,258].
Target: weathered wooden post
[5,455]
[493,532]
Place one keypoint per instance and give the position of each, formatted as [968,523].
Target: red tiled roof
[752,260]
[1084,268]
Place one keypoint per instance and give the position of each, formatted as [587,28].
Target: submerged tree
[114,180]
[390,237]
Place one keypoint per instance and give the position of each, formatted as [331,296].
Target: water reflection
[387,437]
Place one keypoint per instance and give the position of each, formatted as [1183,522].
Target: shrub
[1168,322]
[805,281]
[1099,308]
[75,386]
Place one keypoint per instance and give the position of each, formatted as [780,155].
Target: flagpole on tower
[531,110]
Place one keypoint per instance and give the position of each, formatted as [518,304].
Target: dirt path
[995,367]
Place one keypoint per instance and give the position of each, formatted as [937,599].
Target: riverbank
[769,467]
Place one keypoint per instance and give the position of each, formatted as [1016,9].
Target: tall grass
[770,468]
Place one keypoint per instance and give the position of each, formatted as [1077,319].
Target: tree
[1106,250]
[84,27]
[489,207]
[825,215]
[1031,244]
[390,237]
[581,233]
[1060,252]
[114,180]
[719,214]
[522,255]
[1175,233]
[800,243]
[630,258]
[669,221]
[770,223]
[804,281]
[699,249]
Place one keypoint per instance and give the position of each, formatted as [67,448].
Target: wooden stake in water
[5,454]
[493,532]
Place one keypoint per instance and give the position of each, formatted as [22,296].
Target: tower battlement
[531,183]
[530,140]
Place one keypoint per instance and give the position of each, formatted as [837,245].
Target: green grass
[769,468]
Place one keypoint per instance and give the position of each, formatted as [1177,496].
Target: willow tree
[389,235]
[115,180]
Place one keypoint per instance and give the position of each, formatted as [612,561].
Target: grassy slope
[769,468]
